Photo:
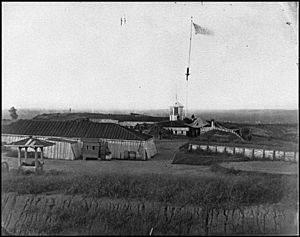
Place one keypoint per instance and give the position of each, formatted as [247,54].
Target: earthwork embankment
[64,214]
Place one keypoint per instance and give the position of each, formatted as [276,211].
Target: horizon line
[132,110]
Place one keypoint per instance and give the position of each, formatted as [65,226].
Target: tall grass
[223,190]
[225,193]
[77,220]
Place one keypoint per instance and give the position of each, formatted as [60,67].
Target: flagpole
[190,43]
[188,68]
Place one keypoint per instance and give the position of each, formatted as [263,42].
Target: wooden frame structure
[32,143]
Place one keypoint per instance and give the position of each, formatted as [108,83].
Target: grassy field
[154,181]
[220,189]
[225,192]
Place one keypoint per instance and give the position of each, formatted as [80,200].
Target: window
[93,148]
[175,110]
[87,147]
[181,132]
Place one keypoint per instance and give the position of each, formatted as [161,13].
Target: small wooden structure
[30,143]
[94,148]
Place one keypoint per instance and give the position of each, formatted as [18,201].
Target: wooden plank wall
[252,153]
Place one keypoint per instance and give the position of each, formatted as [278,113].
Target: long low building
[126,120]
[70,138]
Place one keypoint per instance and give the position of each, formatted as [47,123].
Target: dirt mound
[218,136]
[203,158]
[272,167]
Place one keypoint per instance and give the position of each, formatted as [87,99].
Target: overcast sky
[61,55]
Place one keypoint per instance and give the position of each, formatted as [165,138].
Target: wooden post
[274,155]
[207,146]
[295,155]
[19,156]
[233,152]
[216,149]
[225,149]
[264,154]
[42,155]
[42,158]
[284,155]
[25,154]
[35,157]
[253,153]
[243,151]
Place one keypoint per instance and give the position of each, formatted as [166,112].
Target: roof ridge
[134,133]
[128,130]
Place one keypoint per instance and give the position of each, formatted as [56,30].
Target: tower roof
[177,104]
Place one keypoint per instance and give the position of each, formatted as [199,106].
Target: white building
[176,112]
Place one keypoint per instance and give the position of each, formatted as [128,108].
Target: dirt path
[119,166]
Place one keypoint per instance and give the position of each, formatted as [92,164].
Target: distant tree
[13,113]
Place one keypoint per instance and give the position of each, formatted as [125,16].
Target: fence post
[207,146]
[253,153]
[264,154]
[226,147]
[295,156]
[274,158]
[243,151]
[216,149]
[233,151]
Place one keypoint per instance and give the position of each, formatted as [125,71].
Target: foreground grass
[229,191]
[226,189]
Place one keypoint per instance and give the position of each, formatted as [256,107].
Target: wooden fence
[252,153]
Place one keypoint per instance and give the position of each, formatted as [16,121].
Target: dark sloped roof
[177,123]
[198,123]
[78,129]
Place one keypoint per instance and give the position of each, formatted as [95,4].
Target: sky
[77,55]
